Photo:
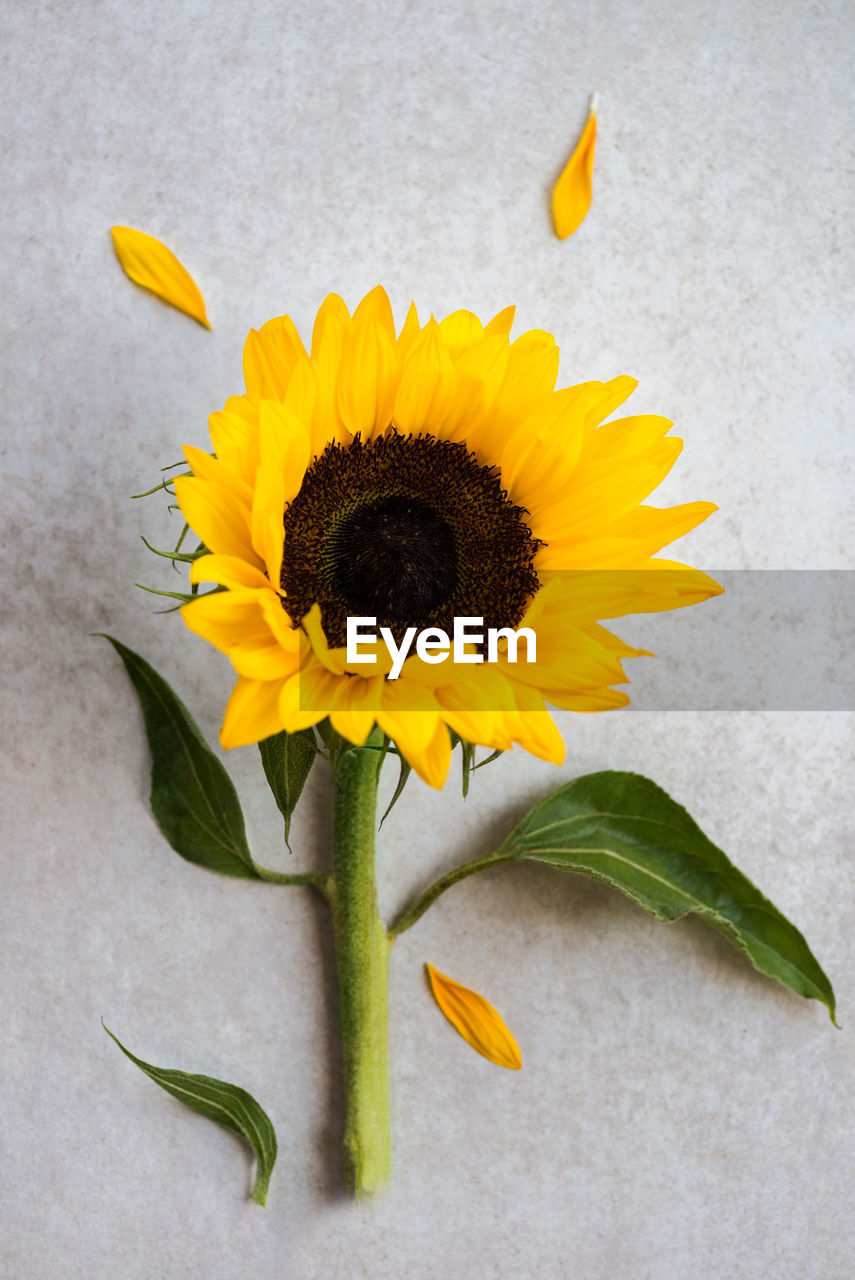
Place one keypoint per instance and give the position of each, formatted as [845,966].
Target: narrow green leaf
[287,759]
[192,797]
[625,831]
[226,1103]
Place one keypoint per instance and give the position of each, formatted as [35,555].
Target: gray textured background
[677,1116]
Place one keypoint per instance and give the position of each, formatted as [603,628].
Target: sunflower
[418,476]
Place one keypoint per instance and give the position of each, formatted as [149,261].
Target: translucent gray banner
[776,640]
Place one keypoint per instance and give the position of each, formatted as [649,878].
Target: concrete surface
[677,1116]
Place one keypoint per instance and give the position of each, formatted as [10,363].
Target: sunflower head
[419,477]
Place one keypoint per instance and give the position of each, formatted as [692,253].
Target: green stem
[409,917]
[362,951]
[315,879]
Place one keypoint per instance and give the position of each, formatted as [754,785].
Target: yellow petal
[534,729]
[367,376]
[605,397]
[377,307]
[234,435]
[655,587]
[283,457]
[229,619]
[268,664]
[461,330]
[287,636]
[269,357]
[207,467]
[432,764]
[529,379]
[220,520]
[475,707]
[571,198]
[305,698]
[481,371]
[353,725]
[626,543]
[410,330]
[475,1019]
[252,713]
[421,737]
[426,386]
[228,571]
[299,400]
[332,325]
[502,322]
[317,639]
[538,460]
[150,264]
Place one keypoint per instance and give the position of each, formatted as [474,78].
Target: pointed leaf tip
[571,196]
[225,1103]
[475,1019]
[150,264]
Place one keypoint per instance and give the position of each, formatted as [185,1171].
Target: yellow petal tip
[475,1019]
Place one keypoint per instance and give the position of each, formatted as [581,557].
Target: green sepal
[287,760]
[184,557]
[163,484]
[494,755]
[225,1103]
[185,597]
[193,799]
[624,830]
[403,776]
[468,762]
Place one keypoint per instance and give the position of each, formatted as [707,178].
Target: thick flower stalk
[362,950]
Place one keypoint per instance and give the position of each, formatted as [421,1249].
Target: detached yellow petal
[475,1019]
[571,198]
[150,264]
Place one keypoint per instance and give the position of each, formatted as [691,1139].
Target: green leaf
[192,796]
[625,831]
[226,1103]
[287,759]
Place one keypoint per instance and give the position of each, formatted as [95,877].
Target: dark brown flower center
[393,556]
[408,529]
